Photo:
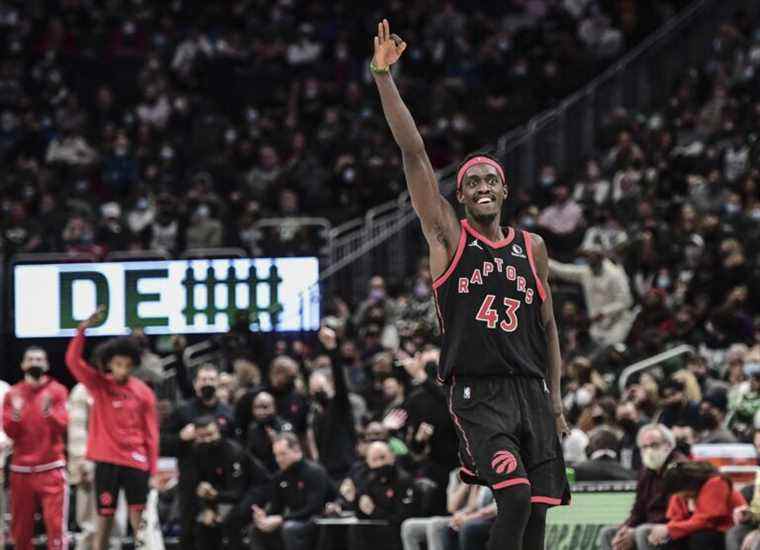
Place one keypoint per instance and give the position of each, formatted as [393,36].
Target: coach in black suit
[603,464]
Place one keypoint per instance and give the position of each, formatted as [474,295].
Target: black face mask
[208,392]
[628,425]
[709,422]
[321,397]
[382,473]
[267,420]
[205,450]
[35,372]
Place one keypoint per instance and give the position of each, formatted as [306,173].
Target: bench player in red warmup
[122,439]
[500,352]
[35,418]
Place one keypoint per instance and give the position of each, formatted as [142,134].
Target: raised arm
[439,221]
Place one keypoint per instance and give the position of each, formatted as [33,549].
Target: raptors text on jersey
[489,308]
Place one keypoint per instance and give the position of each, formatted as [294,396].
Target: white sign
[167,297]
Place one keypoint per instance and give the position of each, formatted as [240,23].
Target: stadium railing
[651,362]
[386,242]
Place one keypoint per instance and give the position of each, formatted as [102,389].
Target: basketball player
[500,352]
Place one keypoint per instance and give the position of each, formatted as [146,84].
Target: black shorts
[111,478]
[507,436]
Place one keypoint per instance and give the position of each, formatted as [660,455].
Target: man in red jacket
[35,418]
[123,434]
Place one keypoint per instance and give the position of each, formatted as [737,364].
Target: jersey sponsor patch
[517,251]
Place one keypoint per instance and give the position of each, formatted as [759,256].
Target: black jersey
[489,307]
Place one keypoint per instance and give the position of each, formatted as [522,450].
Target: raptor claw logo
[106,498]
[503,462]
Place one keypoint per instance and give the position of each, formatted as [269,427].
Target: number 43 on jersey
[490,316]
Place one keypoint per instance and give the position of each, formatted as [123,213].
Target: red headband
[479,160]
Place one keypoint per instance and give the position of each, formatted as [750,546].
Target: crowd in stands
[654,242]
[145,125]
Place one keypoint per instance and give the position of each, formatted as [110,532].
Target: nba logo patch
[467,393]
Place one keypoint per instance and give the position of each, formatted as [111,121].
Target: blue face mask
[421,290]
[731,209]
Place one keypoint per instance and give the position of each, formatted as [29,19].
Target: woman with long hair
[700,508]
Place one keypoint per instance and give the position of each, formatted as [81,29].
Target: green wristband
[376,70]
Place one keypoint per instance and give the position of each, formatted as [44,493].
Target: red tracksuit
[123,427]
[38,474]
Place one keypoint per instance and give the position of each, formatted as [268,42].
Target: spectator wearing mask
[746,404]
[678,409]
[386,493]
[331,422]
[658,450]
[35,419]
[628,420]
[204,231]
[430,433]
[602,463]
[292,406]
[712,411]
[264,428]
[123,436]
[300,491]
[180,434]
[606,291]
[111,232]
[562,220]
[221,473]
[701,507]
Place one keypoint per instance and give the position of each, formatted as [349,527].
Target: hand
[17,404]
[388,47]
[395,419]
[348,489]
[85,474]
[267,525]
[188,432]
[207,518]
[457,520]
[94,319]
[258,514]
[742,514]
[366,505]
[154,482]
[328,338]
[750,540]
[206,491]
[563,430]
[414,367]
[624,539]
[332,509]
[47,403]
[658,535]
[178,342]
[424,433]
